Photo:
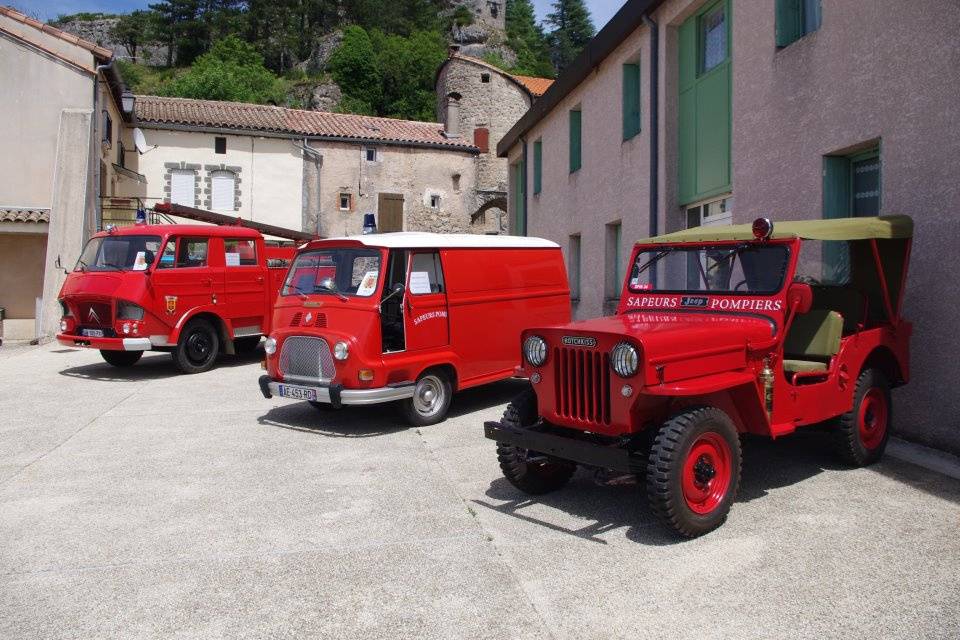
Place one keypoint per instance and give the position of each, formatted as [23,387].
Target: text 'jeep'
[720,331]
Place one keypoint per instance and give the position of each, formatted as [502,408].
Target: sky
[601,10]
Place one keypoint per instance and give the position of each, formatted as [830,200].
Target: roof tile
[8,214]
[13,14]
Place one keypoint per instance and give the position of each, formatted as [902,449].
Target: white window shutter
[181,187]
[223,185]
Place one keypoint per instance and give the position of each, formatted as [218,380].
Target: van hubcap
[706,471]
[428,396]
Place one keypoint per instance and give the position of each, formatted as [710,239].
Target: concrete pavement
[140,503]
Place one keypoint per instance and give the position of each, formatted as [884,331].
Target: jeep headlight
[535,350]
[341,350]
[270,346]
[129,311]
[624,359]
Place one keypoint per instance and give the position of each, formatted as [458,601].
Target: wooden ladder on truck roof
[210,217]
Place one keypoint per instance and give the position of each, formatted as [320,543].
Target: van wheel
[246,344]
[430,401]
[530,471]
[197,348]
[693,471]
[862,432]
[121,358]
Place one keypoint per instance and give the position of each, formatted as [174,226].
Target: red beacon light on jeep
[762,229]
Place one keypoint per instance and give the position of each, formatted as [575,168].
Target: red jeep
[192,290]
[720,331]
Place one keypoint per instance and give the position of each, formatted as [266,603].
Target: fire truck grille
[306,359]
[95,314]
[582,384]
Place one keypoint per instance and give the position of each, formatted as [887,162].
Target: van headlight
[535,350]
[624,359]
[341,350]
[270,346]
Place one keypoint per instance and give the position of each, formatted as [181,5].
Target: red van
[409,317]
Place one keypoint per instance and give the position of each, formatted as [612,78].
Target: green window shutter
[575,141]
[537,166]
[631,100]
[836,187]
[789,21]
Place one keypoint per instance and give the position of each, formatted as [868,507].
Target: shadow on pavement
[153,365]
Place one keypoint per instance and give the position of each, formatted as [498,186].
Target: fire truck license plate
[92,333]
[300,393]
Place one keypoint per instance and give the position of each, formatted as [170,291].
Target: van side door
[246,298]
[426,315]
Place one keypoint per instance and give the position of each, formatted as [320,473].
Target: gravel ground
[140,503]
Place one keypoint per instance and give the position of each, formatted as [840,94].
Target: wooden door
[390,212]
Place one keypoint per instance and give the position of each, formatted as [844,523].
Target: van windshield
[747,268]
[350,272]
[118,253]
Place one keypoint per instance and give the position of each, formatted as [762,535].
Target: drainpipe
[316,155]
[97,206]
[523,187]
[654,93]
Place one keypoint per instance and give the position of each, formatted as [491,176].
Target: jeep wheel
[121,358]
[693,471]
[197,348]
[862,432]
[430,401]
[530,471]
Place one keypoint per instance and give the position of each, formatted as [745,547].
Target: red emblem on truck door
[171,303]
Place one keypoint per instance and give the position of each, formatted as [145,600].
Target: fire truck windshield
[748,268]
[118,253]
[339,272]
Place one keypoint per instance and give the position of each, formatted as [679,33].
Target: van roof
[423,240]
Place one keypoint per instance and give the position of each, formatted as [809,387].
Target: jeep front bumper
[574,447]
[336,395]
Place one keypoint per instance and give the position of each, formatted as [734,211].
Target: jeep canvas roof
[880,228]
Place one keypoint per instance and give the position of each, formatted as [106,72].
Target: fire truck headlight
[270,346]
[341,351]
[126,327]
[625,360]
[129,311]
[63,326]
[535,350]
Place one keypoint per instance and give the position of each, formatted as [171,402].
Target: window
[631,100]
[795,19]
[851,184]
[223,186]
[746,269]
[434,201]
[485,78]
[537,167]
[711,214]
[426,275]
[107,128]
[184,252]
[614,266]
[346,202]
[182,187]
[573,265]
[518,189]
[240,252]
[352,272]
[219,145]
[370,153]
[713,38]
[121,154]
[481,139]
[575,140]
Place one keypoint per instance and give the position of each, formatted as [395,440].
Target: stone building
[479,102]
[309,170]
[784,108]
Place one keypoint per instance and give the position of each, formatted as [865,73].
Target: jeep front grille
[582,384]
[306,359]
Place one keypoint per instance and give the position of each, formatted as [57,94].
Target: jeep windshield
[118,253]
[338,272]
[748,268]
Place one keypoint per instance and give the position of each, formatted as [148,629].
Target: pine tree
[527,40]
[573,29]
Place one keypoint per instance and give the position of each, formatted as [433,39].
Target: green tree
[527,40]
[232,70]
[572,30]
[354,66]
[408,67]
[132,31]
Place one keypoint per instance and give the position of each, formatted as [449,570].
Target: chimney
[451,125]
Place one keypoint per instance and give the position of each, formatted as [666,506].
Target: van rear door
[426,314]
[247,300]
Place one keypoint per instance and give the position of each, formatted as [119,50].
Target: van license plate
[299,393]
[92,333]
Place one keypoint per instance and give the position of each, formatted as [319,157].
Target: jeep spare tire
[198,347]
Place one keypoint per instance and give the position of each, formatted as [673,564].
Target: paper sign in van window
[419,282]
[368,284]
[233,259]
[140,262]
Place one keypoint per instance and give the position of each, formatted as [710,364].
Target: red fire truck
[720,331]
[192,290]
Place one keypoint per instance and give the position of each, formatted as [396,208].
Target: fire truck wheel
[121,358]
[430,401]
[197,348]
[693,471]
[862,432]
[530,471]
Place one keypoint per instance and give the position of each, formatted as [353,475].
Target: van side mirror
[799,297]
[396,289]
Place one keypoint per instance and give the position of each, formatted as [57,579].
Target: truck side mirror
[799,297]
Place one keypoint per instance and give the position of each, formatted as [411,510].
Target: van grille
[320,320]
[582,384]
[306,359]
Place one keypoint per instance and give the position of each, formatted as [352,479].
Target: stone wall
[100,32]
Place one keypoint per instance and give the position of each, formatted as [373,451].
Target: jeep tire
[198,347]
[121,358]
[693,470]
[862,433]
[431,399]
[530,471]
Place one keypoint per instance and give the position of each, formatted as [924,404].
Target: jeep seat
[813,339]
